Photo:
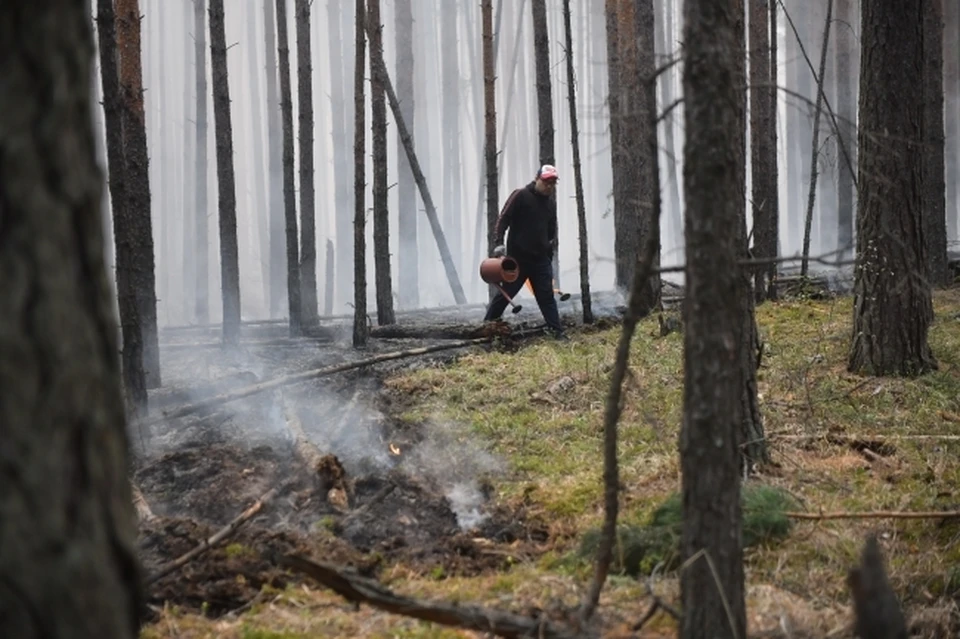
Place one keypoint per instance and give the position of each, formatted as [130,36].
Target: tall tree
[124,221]
[137,183]
[585,301]
[308,213]
[490,124]
[289,195]
[360,330]
[340,112]
[381,220]
[275,164]
[69,564]
[541,55]
[934,187]
[845,77]
[712,586]
[892,303]
[201,244]
[261,173]
[226,183]
[408,267]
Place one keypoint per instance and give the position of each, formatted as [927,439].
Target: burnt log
[875,604]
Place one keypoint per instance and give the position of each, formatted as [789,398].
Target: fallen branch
[357,590]
[856,439]
[441,331]
[877,514]
[215,539]
[325,468]
[144,513]
[286,380]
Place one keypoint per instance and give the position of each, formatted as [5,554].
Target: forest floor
[474,476]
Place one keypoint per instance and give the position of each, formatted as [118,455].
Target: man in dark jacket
[530,214]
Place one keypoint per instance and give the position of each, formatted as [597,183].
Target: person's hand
[499,250]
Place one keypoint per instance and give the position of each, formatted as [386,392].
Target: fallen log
[441,331]
[325,468]
[214,539]
[279,341]
[876,514]
[144,513]
[295,378]
[357,590]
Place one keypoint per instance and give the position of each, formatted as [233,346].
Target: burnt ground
[386,491]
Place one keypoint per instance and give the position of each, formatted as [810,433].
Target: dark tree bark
[124,222]
[69,564]
[712,421]
[408,267]
[278,284]
[226,183]
[308,214]
[201,243]
[360,329]
[585,301]
[647,155]
[289,185]
[490,125]
[951,85]
[846,77]
[934,187]
[763,147]
[137,184]
[381,220]
[892,303]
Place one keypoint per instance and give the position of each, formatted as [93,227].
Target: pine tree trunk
[340,117]
[308,213]
[124,223]
[490,124]
[289,194]
[137,183]
[69,565]
[226,183]
[647,155]
[261,184]
[846,79]
[360,328]
[892,303]
[188,174]
[934,188]
[712,586]
[408,267]
[951,86]
[541,55]
[278,285]
[450,98]
[381,220]
[201,226]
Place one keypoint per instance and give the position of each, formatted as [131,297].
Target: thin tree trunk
[815,146]
[541,48]
[308,213]
[340,117]
[124,222]
[490,125]
[408,267]
[360,329]
[585,301]
[331,269]
[846,116]
[381,220]
[226,183]
[672,221]
[187,176]
[649,157]
[261,182]
[289,184]
[137,183]
[951,85]
[934,188]
[278,284]
[201,225]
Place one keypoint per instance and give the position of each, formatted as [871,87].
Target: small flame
[394,450]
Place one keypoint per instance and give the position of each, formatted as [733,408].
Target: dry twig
[876,514]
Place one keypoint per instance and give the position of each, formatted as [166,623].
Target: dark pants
[540,273]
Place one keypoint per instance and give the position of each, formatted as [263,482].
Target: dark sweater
[532,221]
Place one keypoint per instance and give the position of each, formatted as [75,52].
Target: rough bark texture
[585,301]
[381,220]
[490,125]
[951,85]
[200,242]
[934,188]
[137,183]
[648,155]
[226,182]
[763,149]
[308,214]
[69,565]
[408,266]
[289,184]
[846,77]
[892,304]
[124,224]
[360,329]
[278,258]
[875,604]
[710,436]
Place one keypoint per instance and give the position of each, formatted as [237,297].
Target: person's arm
[506,217]
[552,226]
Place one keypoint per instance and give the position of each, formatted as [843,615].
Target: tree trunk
[69,564]
[951,85]
[541,55]
[278,285]
[672,216]
[712,586]
[124,223]
[340,117]
[408,266]
[892,304]
[226,184]
[201,226]
[261,183]
[137,183]
[763,150]
[450,104]
[289,185]
[188,175]
[846,77]
[585,300]
[490,126]
[360,329]
[934,187]
[381,220]
[308,213]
